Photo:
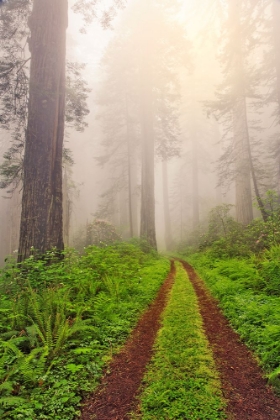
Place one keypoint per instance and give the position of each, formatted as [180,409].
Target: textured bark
[244,207]
[41,219]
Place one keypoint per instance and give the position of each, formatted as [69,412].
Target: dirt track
[116,396]
[248,396]
[243,384]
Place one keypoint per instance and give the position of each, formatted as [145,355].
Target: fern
[11,401]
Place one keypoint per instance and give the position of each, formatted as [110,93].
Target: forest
[140,209]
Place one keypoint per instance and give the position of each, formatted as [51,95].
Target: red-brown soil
[249,398]
[116,396]
[245,389]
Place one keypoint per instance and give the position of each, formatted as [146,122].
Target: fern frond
[7,386]
[32,367]
[11,401]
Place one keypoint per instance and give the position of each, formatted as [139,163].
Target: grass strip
[181,381]
[252,309]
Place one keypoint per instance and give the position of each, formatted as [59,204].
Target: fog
[182,97]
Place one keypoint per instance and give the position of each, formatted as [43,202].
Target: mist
[173,110]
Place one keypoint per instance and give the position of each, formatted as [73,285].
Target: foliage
[226,238]
[101,233]
[181,381]
[60,322]
[249,294]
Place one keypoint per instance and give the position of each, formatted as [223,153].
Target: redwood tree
[41,219]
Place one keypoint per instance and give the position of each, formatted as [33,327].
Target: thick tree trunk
[41,219]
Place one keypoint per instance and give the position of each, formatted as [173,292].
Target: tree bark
[41,220]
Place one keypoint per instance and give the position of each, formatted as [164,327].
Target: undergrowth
[61,322]
[181,381]
[249,294]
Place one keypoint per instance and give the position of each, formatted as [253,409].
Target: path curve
[116,396]
[249,397]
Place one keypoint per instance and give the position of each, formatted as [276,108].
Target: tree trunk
[147,225]
[41,220]
[276,40]
[195,185]
[147,228]
[132,174]
[166,207]
[66,208]
[244,207]
[276,36]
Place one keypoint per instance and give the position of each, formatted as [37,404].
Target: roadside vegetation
[181,381]
[241,267]
[61,322]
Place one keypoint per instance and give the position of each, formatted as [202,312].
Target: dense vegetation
[60,322]
[241,266]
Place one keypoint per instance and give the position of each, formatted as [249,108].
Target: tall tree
[238,87]
[41,219]
[147,224]
[142,102]
[161,47]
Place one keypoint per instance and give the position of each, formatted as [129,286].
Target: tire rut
[244,387]
[116,396]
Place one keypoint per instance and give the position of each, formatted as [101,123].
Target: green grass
[61,323]
[248,292]
[181,381]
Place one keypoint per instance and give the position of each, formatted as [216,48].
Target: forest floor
[243,385]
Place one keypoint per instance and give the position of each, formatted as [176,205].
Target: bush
[99,233]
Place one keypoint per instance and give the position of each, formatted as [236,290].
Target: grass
[181,381]
[248,292]
[61,323]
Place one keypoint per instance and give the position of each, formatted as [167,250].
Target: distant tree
[118,106]
[101,233]
[231,106]
[166,207]
[142,102]
[269,74]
